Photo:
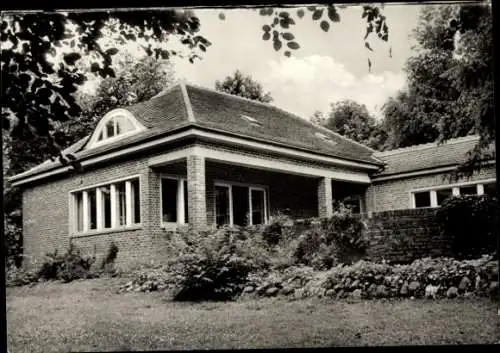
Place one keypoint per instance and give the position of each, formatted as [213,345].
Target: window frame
[115,226]
[455,187]
[250,186]
[101,128]
[179,206]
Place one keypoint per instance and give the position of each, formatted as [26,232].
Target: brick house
[194,156]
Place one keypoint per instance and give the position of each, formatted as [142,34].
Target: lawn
[89,316]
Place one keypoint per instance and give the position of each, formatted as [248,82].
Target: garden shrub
[345,229]
[213,271]
[66,267]
[275,230]
[470,221]
[308,245]
[18,276]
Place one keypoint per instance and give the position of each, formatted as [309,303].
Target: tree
[353,120]
[38,94]
[244,86]
[450,82]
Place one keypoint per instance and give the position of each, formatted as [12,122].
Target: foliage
[66,267]
[213,272]
[242,85]
[450,83]
[274,232]
[352,120]
[280,27]
[108,263]
[38,88]
[471,222]
[18,276]
[345,229]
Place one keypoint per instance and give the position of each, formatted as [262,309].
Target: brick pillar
[197,206]
[325,207]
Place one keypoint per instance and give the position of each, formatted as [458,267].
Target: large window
[174,206]
[107,206]
[115,126]
[238,204]
[434,197]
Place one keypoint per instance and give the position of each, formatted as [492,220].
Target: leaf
[222,16]
[277,44]
[112,51]
[325,26]
[94,67]
[300,13]
[266,28]
[165,54]
[288,36]
[317,14]
[333,15]
[369,29]
[367,45]
[288,53]
[284,23]
[293,45]
[385,37]
[71,58]
[369,65]
[266,36]
[284,14]
[202,47]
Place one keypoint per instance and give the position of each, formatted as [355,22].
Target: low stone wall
[405,235]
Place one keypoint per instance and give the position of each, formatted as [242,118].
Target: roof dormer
[115,125]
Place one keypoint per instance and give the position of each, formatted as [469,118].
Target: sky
[329,66]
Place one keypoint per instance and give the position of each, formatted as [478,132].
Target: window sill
[107,231]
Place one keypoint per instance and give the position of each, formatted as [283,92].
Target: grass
[90,316]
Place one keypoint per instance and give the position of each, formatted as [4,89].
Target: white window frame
[180,200]
[73,207]
[454,187]
[229,185]
[101,128]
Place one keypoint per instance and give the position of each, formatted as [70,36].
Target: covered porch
[205,186]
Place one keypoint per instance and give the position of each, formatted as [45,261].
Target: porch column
[197,206]
[325,207]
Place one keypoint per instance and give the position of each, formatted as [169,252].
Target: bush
[309,244]
[108,263]
[18,276]
[345,229]
[213,271]
[470,222]
[66,267]
[274,231]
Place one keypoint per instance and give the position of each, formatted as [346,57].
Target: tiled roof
[426,156]
[185,104]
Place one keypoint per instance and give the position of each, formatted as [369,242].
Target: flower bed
[424,278]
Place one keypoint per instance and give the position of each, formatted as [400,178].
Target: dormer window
[324,137]
[115,125]
[251,120]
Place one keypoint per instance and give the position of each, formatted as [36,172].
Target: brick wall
[395,194]
[405,235]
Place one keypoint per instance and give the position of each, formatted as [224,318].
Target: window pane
[422,199]
[468,190]
[106,206]
[121,204]
[100,137]
[79,211]
[110,129]
[221,205]
[92,210]
[240,205]
[123,125]
[442,195]
[136,204]
[490,189]
[258,215]
[186,215]
[169,200]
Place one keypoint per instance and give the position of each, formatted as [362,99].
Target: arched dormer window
[117,124]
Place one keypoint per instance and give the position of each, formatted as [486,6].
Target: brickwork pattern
[395,194]
[405,235]
[325,207]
